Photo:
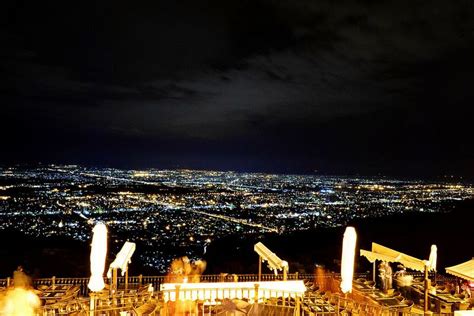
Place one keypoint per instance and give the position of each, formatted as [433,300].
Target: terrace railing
[156,281]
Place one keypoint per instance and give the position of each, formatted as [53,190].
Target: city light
[186,209]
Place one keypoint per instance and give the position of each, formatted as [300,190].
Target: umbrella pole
[92,304]
[126,279]
[373,270]
[427,285]
[114,286]
[259,268]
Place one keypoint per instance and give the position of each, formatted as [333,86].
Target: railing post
[53,281]
[222,277]
[177,292]
[140,279]
[8,281]
[297,305]
[256,286]
[255,303]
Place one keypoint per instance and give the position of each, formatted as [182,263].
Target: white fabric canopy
[463,270]
[383,253]
[274,262]
[463,313]
[123,258]
[97,257]
[431,263]
[347,260]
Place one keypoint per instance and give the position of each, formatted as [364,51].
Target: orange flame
[21,300]
[320,277]
[183,270]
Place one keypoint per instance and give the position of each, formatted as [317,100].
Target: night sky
[341,87]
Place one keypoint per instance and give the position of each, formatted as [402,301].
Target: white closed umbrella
[347,260]
[433,258]
[98,255]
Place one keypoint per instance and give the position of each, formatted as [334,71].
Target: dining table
[54,293]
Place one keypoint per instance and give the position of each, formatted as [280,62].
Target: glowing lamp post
[98,254]
[347,262]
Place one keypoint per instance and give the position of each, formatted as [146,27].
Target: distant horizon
[171,213]
[284,87]
[436,178]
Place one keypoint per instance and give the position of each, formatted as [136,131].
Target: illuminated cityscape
[325,144]
[180,212]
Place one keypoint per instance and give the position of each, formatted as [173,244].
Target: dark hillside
[452,232]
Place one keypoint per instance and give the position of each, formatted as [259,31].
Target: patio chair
[74,290]
[63,305]
[445,308]
[461,296]
[407,310]
[394,294]
[307,311]
[431,305]
[314,287]
[149,308]
[399,298]
[43,287]
[464,306]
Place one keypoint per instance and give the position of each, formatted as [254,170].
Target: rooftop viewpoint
[418,286]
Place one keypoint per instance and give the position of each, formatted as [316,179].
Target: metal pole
[92,304]
[374,267]
[114,281]
[126,279]
[259,268]
[297,308]
[427,285]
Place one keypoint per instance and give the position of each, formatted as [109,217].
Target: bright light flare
[98,254]
[20,302]
[347,261]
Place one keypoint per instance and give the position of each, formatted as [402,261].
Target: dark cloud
[357,86]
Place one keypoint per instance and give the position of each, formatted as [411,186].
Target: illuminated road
[234,220]
[215,216]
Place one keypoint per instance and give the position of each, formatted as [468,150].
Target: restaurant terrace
[418,287]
